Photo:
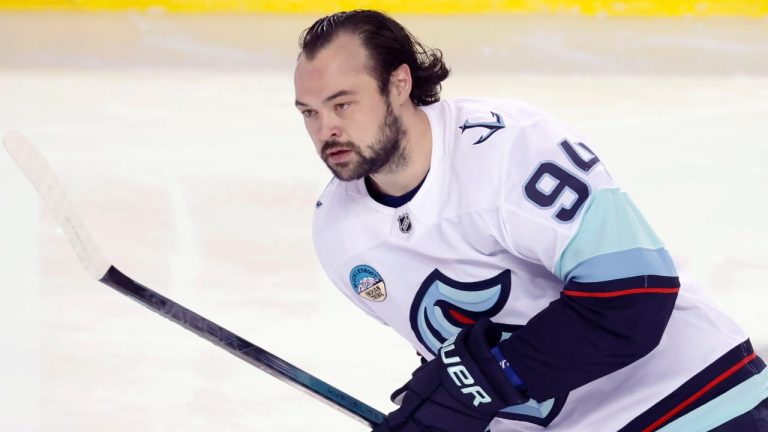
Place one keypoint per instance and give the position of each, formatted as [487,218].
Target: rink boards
[654,8]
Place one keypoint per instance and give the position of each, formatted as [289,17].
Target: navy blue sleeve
[592,330]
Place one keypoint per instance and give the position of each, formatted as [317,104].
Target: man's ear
[400,84]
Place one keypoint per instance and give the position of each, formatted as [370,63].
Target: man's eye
[308,113]
[342,106]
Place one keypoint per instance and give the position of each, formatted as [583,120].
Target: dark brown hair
[388,45]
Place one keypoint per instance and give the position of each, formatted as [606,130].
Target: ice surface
[178,140]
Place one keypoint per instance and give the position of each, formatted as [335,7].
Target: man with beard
[493,239]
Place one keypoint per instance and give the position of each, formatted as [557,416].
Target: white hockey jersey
[518,220]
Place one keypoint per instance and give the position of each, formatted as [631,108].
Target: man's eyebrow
[338,94]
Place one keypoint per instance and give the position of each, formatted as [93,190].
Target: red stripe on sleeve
[621,292]
[699,393]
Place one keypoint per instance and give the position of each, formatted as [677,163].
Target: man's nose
[330,129]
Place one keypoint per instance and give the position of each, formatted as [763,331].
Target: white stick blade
[42,176]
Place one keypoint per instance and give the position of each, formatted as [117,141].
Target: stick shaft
[242,348]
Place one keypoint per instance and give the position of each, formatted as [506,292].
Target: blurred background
[172,125]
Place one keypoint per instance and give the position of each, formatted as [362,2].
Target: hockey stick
[42,176]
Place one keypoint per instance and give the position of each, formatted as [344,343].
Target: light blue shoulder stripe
[624,264]
[730,404]
[611,223]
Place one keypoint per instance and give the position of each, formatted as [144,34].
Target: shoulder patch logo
[368,283]
[493,126]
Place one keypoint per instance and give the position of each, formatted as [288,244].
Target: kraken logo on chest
[443,306]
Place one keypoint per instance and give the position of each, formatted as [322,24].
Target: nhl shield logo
[404,221]
[368,283]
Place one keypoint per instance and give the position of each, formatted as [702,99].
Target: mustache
[336,145]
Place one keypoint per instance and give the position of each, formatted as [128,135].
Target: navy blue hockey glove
[460,390]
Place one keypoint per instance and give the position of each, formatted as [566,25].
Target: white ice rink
[178,140]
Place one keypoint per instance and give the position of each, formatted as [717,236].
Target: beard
[386,151]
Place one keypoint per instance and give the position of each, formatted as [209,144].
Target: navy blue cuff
[512,376]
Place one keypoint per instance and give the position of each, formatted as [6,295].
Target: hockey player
[493,239]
